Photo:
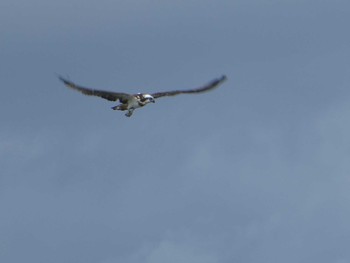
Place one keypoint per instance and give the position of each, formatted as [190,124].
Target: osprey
[130,102]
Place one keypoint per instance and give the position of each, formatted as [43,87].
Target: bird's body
[130,102]
[135,101]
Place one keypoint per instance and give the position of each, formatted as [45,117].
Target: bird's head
[149,98]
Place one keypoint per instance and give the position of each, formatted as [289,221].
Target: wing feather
[108,95]
[211,85]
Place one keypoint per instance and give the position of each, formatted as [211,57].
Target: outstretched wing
[211,85]
[108,95]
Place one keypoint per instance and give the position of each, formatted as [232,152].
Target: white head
[148,98]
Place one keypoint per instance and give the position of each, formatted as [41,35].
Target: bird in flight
[130,102]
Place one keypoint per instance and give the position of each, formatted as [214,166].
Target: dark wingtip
[223,78]
[65,81]
[62,79]
[219,80]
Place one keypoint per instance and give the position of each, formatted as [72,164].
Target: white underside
[133,104]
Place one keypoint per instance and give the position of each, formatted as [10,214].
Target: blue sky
[255,171]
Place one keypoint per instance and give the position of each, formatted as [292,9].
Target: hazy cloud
[256,171]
